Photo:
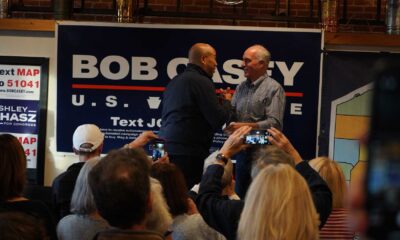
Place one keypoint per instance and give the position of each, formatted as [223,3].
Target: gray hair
[262,53]
[228,169]
[267,155]
[159,219]
[82,201]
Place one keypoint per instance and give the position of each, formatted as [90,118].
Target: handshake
[225,94]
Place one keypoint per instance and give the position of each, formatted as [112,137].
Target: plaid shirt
[261,101]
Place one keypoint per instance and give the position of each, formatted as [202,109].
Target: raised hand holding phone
[157,147]
[257,137]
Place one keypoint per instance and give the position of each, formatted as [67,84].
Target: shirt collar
[257,82]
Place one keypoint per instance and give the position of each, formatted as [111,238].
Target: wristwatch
[222,158]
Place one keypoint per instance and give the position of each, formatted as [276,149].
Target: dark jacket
[320,192]
[220,213]
[63,187]
[191,113]
[119,234]
[223,215]
[37,209]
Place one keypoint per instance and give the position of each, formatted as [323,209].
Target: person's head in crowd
[204,56]
[278,206]
[82,201]
[227,177]
[18,225]
[333,175]
[160,218]
[87,141]
[269,155]
[121,188]
[12,167]
[255,61]
[174,186]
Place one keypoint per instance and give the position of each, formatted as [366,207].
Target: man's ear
[203,59]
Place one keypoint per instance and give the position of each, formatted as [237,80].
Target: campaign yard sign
[23,102]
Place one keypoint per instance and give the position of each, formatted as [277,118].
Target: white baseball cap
[87,133]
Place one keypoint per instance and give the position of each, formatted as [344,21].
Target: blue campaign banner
[114,75]
[19,116]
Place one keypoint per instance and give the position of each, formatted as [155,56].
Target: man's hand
[235,142]
[278,139]
[233,126]
[142,139]
[226,93]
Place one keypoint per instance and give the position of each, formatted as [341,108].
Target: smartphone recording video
[257,137]
[158,149]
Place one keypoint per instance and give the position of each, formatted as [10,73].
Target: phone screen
[257,137]
[158,149]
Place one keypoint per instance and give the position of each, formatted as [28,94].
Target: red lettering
[21,71]
[27,140]
[27,72]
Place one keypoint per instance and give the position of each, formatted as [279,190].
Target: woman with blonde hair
[278,206]
[338,225]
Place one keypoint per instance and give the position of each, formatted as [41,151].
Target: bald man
[192,112]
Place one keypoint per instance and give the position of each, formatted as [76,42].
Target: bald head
[204,56]
[198,50]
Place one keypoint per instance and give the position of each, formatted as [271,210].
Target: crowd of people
[189,193]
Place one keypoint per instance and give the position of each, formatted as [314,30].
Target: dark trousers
[242,172]
[191,166]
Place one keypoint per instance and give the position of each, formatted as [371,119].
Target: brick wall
[261,10]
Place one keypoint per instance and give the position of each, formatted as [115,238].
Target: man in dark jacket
[192,113]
